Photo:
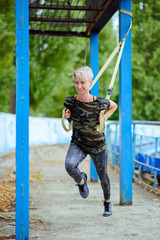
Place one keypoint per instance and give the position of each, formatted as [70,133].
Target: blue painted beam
[22,119]
[94,64]
[125,106]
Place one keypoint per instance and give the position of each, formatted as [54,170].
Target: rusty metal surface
[69,18]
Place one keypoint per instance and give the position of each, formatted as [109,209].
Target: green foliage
[7,52]
[145,59]
[53,59]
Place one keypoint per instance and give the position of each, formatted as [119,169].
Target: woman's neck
[85,98]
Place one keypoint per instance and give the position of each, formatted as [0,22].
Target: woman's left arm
[112,108]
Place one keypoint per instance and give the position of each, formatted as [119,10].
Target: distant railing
[145,151]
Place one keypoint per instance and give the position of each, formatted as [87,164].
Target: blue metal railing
[112,137]
[145,150]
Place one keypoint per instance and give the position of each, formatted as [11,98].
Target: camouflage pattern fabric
[85,119]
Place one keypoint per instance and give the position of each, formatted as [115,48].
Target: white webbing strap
[100,126]
[106,65]
[116,66]
[125,12]
[120,45]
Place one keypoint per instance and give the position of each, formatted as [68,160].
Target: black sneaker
[83,189]
[107,209]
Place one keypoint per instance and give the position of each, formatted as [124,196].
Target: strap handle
[63,124]
[100,126]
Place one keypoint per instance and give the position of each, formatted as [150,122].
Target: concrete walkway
[57,211]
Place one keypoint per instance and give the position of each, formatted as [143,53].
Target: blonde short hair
[84,73]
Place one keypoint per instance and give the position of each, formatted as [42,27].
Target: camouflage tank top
[85,119]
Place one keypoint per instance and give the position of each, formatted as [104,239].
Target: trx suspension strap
[100,127]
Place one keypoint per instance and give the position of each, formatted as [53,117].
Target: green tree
[52,61]
[145,59]
[7,55]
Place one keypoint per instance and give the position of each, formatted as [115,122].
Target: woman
[84,110]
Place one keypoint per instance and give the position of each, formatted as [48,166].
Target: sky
[115,21]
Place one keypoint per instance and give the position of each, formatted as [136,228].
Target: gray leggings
[75,156]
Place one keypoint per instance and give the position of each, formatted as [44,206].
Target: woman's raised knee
[70,166]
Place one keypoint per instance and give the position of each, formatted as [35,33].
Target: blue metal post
[134,150]
[108,142]
[125,102]
[115,149]
[94,64]
[155,171]
[22,119]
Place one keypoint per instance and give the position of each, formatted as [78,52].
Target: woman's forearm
[111,110]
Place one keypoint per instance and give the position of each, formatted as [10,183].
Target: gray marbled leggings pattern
[75,156]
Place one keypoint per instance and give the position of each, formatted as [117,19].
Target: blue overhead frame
[22,119]
[94,64]
[125,106]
